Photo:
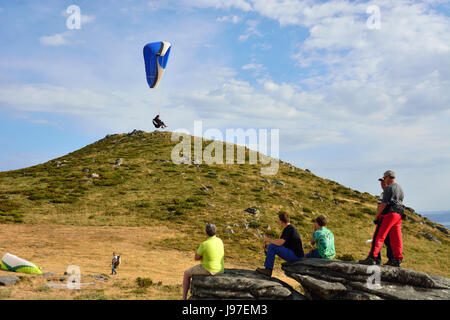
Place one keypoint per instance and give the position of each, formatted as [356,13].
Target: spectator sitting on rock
[323,238]
[211,255]
[288,247]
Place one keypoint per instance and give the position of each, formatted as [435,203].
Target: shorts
[199,270]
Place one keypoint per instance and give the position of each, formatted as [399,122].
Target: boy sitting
[323,239]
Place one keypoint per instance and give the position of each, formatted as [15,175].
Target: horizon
[313,69]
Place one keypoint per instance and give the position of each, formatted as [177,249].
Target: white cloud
[232,19]
[219,4]
[59,39]
[251,30]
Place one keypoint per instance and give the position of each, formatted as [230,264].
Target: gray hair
[210,229]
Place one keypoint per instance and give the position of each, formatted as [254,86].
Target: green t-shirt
[212,253]
[324,240]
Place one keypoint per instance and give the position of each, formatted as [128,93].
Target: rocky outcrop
[241,284]
[329,279]
[8,280]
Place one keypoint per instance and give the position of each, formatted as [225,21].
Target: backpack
[117,262]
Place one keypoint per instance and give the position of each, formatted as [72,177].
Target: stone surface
[241,284]
[430,237]
[331,279]
[253,211]
[8,280]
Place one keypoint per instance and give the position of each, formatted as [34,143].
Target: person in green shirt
[211,254]
[323,239]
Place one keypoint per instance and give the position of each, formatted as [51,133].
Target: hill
[128,181]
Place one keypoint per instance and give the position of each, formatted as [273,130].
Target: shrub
[144,282]
[346,257]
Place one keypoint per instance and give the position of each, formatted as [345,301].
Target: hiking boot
[396,263]
[264,271]
[369,261]
[389,263]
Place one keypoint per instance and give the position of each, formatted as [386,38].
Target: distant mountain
[441,217]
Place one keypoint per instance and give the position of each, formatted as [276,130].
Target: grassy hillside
[147,190]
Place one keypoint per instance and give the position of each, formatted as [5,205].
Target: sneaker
[396,263]
[264,271]
[370,261]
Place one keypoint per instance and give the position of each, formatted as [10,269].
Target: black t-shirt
[293,240]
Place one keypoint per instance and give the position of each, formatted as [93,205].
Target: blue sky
[350,101]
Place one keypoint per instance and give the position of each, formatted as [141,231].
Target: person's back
[212,252]
[293,240]
[324,240]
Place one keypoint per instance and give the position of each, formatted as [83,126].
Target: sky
[352,95]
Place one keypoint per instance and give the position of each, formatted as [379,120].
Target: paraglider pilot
[158,123]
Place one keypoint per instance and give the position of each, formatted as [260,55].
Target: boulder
[253,211]
[241,284]
[430,237]
[330,279]
[8,280]
[442,229]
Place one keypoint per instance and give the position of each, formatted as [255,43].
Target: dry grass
[55,247]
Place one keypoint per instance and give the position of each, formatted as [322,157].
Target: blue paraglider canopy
[156,55]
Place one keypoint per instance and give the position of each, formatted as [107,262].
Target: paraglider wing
[15,264]
[156,55]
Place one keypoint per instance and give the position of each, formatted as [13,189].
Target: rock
[430,237]
[206,189]
[235,225]
[210,205]
[241,284]
[49,274]
[253,211]
[265,181]
[57,164]
[135,133]
[8,280]
[212,174]
[281,183]
[329,279]
[229,231]
[268,228]
[442,229]
[93,176]
[411,219]
[99,276]
[86,170]
[118,162]
[320,289]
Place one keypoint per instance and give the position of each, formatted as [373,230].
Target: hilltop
[128,181]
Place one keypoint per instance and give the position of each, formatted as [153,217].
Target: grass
[146,191]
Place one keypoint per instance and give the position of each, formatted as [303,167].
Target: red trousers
[392,226]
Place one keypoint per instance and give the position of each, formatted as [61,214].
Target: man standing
[289,247]
[211,254]
[391,210]
[114,264]
[387,241]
